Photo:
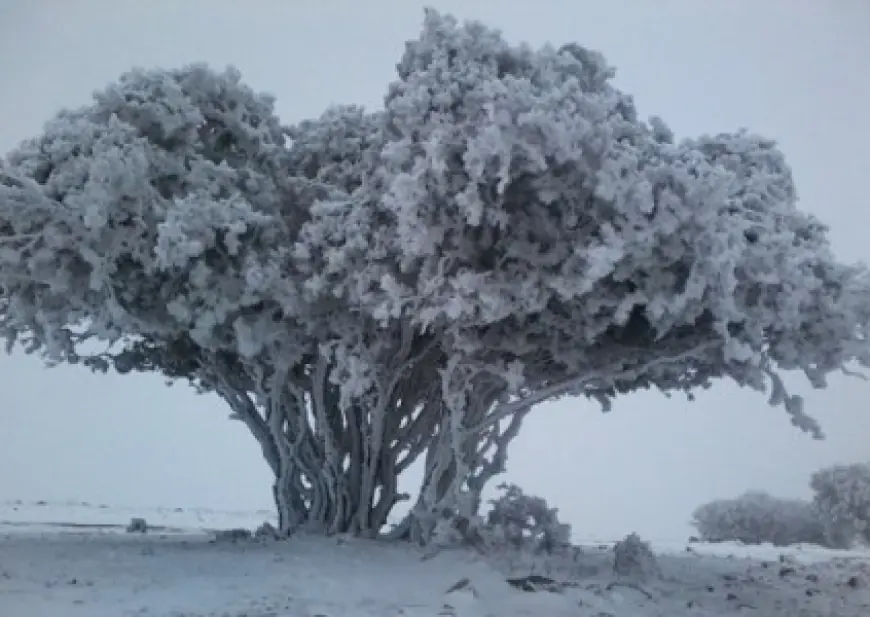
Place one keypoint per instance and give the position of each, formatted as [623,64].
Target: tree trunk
[324,504]
[328,482]
[336,462]
[460,460]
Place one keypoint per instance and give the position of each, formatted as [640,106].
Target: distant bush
[756,517]
[634,558]
[525,521]
[842,499]
[137,525]
[524,537]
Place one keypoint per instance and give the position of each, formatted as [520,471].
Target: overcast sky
[795,70]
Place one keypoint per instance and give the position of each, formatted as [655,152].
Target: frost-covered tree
[371,288]
[756,517]
[842,498]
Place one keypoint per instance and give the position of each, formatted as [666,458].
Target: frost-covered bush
[634,558]
[236,534]
[526,521]
[266,531]
[842,498]
[756,518]
[137,525]
[523,535]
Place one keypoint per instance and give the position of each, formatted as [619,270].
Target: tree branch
[607,377]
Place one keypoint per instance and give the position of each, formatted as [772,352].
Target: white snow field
[75,560]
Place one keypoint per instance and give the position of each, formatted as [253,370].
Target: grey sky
[792,69]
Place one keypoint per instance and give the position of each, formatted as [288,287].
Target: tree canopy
[372,286]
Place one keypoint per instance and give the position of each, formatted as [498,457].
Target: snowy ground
[74,560]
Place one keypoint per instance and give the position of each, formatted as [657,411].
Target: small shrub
[633,558]
[524,521]
[756,517]
[237,534]
[842,499]
[137,525]
[267,531]
[524,537]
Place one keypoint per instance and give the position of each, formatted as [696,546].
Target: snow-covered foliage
[237,534]
[526,522]
[267,531]
[137,525]
[842,497]
[756,518]
[634,559]
[368,288]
